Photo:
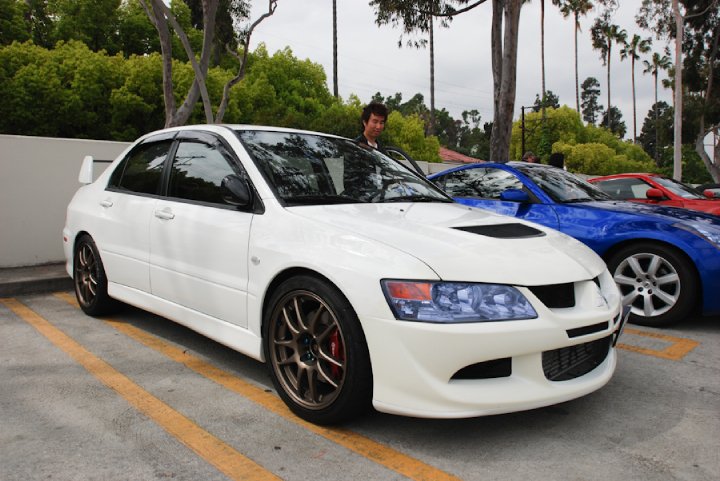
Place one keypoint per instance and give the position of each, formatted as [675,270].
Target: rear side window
[141,171]
[198,170]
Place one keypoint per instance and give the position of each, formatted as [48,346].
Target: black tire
[656,281]
[316,351]
[90,280]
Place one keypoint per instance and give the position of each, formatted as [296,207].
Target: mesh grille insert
[575,361]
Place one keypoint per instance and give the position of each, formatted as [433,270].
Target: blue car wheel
[656,281]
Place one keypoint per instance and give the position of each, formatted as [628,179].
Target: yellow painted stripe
[225,458]
[386,456]
[679,347]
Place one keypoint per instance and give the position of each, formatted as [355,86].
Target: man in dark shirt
[374,116]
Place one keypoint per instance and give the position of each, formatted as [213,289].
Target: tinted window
[141,170]
[486,183]
[624,188]
[198,170]
[315,169]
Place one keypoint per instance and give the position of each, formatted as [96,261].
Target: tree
[94,22]
[653,67]
[590,94]
[549,100]
[503,44]
[575,8]
[657,132]
[604,35]
[163,18]
[613,118]
[12,23]
[701,19]
[416,17]
[633,49]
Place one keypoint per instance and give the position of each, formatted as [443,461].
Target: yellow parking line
[216,452]
[678,348]
[384,455]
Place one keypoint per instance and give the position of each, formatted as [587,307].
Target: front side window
[141,171]
[562,186]
[485,183]
[198,170]
[314,169]
[624,188]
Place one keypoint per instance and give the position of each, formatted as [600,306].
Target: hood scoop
[503,231]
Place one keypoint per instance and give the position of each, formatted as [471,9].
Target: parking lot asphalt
[135,397]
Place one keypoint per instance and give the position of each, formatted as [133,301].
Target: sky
[370,61]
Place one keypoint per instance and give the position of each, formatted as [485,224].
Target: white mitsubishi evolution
[354,279]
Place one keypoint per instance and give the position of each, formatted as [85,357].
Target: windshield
[678,188]
[562,186]
[305,169]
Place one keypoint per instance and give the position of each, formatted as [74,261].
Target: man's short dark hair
[374,108]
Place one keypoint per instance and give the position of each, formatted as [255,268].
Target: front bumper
[467,370]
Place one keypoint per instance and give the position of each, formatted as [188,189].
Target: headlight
[712,236]
[451,302]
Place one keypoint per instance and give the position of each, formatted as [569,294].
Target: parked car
[657,189]
[354,278]
[714,189]
[665,260]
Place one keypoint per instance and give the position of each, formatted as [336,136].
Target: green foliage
[693,168]
[408,133]
[12,22]
[599,159]
[560,124]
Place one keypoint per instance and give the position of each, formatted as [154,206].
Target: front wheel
[656,281]
[316,351]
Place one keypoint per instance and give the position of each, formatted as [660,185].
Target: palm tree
[633,49]
[335,70]
[576,8]
[604,34]
[658,63]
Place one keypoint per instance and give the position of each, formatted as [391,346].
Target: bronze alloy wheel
[307,349]
[89,279]
[316,351]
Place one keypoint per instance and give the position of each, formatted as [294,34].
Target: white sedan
[358,282]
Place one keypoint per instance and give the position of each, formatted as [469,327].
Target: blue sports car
[665,260]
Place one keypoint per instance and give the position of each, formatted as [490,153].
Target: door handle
[165,214]
[106,203]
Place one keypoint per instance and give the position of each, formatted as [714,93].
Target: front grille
[555,295]
[575,361]
[486,370]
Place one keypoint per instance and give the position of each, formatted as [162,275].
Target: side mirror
[236,191]
[654,194]
[86,170]
[514,195]
[711,194]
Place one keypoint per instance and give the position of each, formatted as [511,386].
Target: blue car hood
[670,214]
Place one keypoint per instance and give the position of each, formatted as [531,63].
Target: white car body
[213,269]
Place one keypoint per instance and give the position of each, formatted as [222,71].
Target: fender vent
[503,231]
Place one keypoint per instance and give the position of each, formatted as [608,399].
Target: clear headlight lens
[454,302]
[707,233]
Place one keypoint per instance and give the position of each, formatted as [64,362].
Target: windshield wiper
[577,201]
[415,198]
[318,199]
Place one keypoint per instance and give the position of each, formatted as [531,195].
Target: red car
[657,189]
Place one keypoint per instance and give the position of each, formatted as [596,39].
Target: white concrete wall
[38,177]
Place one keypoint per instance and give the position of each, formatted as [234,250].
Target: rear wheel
[316,351]
[89,279]
[656,281]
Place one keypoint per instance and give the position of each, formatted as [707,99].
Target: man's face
[374,126]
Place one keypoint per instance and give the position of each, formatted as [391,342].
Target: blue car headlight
[707,233]
[455,302]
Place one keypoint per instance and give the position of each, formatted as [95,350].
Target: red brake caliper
[336,350]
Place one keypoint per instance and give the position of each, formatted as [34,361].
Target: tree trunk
[577,76]
[432,79]
[657,136]
[542,57]
[677,99]
[609,111]
[506,16]
[335,48]
[632,74]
